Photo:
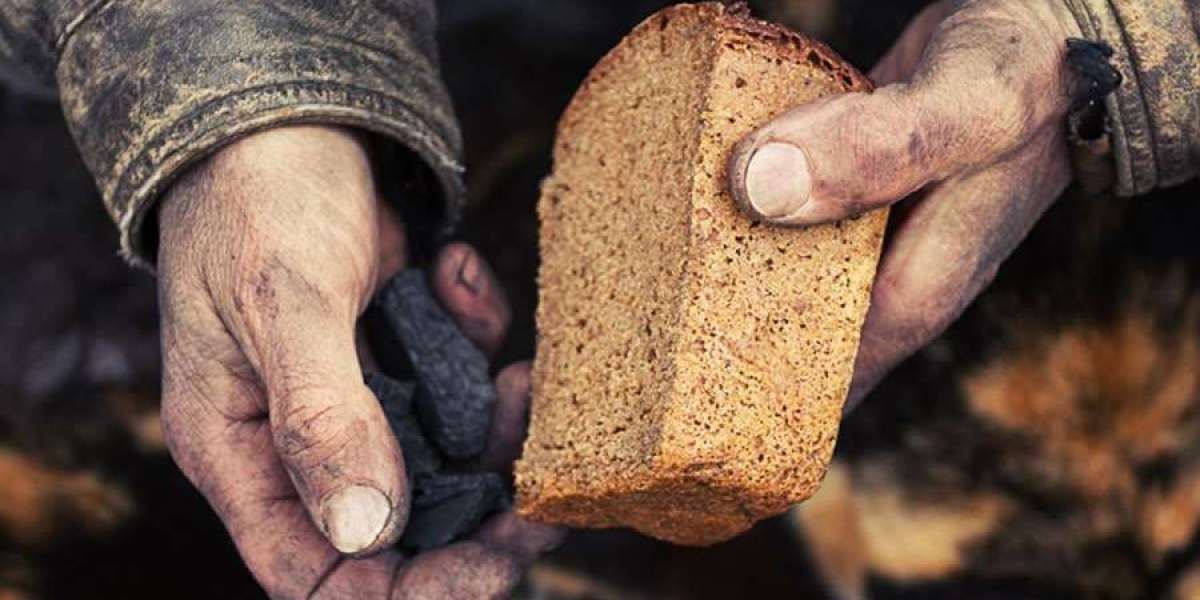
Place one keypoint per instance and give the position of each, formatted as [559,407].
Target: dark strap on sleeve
[1154,115]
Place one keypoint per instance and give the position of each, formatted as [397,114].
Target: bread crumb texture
[691,364]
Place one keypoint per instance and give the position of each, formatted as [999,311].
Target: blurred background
[1047,446]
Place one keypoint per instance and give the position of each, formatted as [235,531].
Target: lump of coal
[396,397]
[448,506]
[420,458]
[455,398]
[445,416]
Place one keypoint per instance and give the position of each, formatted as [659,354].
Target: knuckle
[890,149]
[1003,113]
[884,148]
[307,436]
[514,380]
[1012,64]
[917,308]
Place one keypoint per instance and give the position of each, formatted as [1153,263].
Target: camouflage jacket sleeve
[150,86]
[1154,116]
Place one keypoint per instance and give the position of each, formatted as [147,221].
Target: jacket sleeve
[1154,116]
[148,87]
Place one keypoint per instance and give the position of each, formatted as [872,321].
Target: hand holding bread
[692,363]
[969,125]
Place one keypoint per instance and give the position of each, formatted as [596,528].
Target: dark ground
[77,328]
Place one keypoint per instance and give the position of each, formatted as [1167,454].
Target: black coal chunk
[420,457]
[455,399]
[441,419]
[448,506]
[396,397]
[1087,118]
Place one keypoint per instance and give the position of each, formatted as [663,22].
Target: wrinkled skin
[269,253]
[968,125]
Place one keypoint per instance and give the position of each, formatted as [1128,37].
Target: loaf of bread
[691,364]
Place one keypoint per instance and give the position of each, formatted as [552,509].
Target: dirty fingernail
[777,180]
[355,517]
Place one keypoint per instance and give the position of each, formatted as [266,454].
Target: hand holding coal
[455,399]
[444,416]
[264,407]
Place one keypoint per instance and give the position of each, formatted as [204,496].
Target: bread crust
[733,17]
[692,485]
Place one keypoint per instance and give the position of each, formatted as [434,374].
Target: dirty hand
[970,121]
[269,251]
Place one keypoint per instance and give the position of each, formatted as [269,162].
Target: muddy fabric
[1154,116]
[150,86]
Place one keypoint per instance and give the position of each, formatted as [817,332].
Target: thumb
[329,431]
[990,78]
[837,157]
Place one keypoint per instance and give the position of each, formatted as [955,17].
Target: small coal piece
[420,457]
[448,506]
[456,397]
[396,397]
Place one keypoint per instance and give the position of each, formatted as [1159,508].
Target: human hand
[970,122]
[269,252]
